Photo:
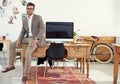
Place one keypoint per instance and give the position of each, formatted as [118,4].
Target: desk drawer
[78,52]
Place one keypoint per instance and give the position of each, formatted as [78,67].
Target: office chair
[2,51]
[55,52]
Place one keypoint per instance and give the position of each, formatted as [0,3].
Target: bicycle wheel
[102,52]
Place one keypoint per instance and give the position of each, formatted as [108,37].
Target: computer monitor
[59,31]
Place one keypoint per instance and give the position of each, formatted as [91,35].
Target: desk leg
[23,56]
[88,65]
[77,61]
[81,65]
[116,66]
[23,61]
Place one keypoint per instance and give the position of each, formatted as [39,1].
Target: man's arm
[41,34]
[21,36]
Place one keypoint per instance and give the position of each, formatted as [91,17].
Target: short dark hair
[31,4]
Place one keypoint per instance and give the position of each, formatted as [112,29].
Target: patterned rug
[58,76]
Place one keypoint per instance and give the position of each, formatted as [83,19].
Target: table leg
[88,65]
[78,59]
[81,65]
[23,56]
[116,65]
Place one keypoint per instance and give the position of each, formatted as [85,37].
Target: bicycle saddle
[95,37]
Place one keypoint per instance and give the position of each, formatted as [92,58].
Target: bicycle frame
[93,44]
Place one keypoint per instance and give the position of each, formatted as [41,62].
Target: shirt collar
[30,16]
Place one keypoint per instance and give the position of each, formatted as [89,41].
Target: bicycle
[100,50]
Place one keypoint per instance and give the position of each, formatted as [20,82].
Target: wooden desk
[74,50]
[116,62]
[7,42]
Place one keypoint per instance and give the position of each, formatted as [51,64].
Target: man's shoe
[8,69]
[24,78]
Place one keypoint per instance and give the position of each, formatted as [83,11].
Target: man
[34,30]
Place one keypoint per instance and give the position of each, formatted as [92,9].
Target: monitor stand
[54,42]
[66,42]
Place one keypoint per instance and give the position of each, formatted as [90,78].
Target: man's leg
[12,53]
[28,53]
[11,57]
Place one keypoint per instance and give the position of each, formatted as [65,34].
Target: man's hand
[18,43]
[34,42]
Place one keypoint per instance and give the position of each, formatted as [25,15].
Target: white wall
[118,17]
[91,17]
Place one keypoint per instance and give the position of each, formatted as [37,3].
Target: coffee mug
[3,37]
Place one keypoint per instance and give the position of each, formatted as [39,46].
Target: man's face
[30,10]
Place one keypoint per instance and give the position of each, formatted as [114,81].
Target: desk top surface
[69,44]
[1,40]
[116,45]
[78,44]
[74,44]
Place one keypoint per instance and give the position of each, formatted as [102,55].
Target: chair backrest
[1,46]
[56,51]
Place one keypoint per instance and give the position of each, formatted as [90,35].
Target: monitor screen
[59,31]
